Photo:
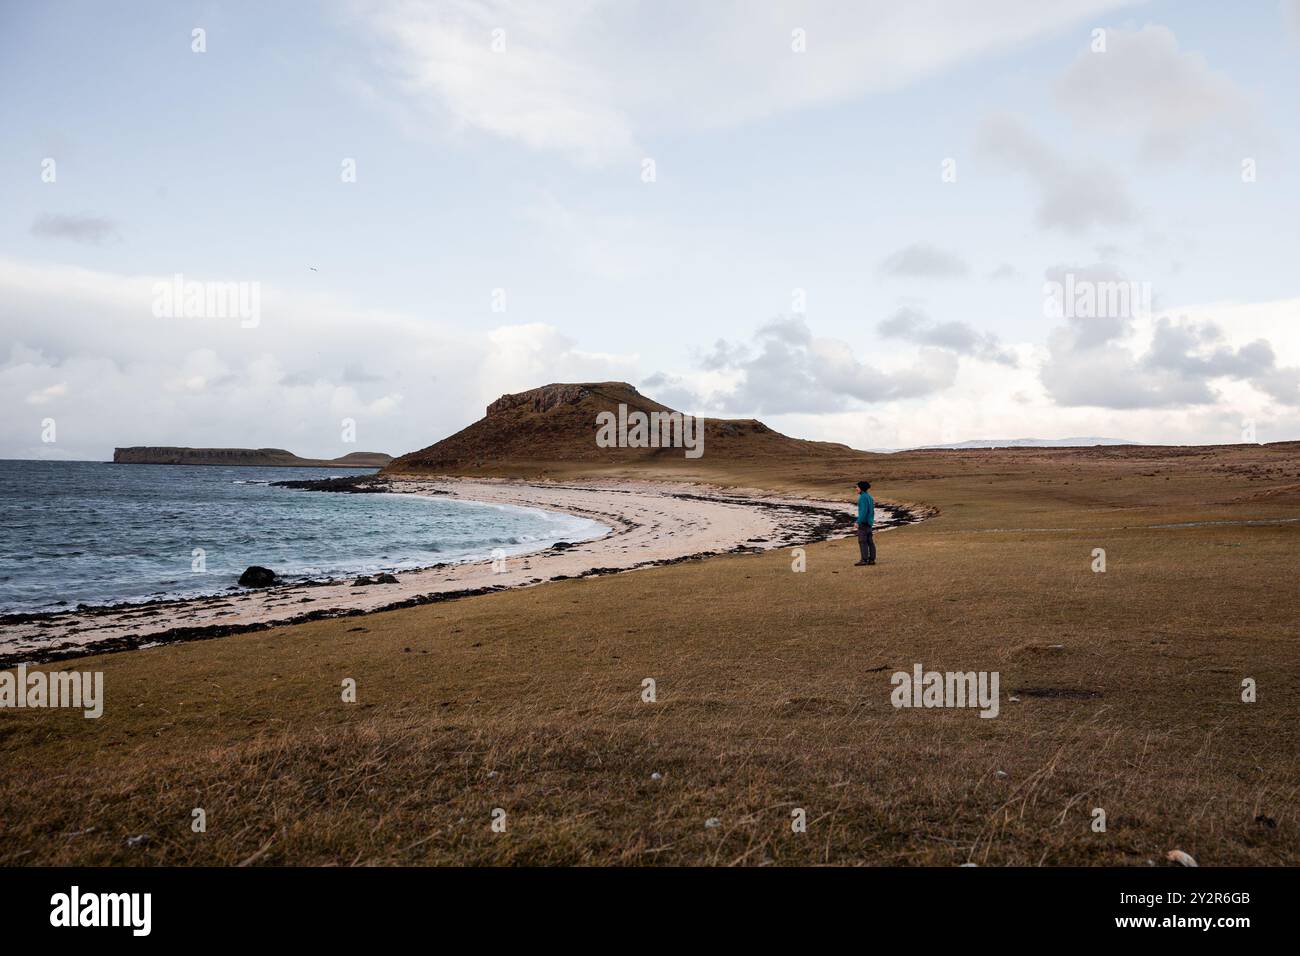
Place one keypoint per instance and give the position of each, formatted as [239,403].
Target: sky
[886,224]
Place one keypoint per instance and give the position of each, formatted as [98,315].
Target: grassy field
[772,695]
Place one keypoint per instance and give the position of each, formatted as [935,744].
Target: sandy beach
[651,523]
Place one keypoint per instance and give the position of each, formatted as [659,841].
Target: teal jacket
[866,510]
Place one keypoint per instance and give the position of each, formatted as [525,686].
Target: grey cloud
[354,373]
[922,259]
[1144,87]
[1176,371]
[1092,329]
[723,355]
[911,325]
[1072,197]
[671,390]
[578,80]
[789,370]
[88,229]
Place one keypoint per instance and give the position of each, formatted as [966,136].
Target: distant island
[1029,443]
[245,457]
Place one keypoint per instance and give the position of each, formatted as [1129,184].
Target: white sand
[649,523]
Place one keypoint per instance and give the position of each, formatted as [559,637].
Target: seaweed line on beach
[830,523]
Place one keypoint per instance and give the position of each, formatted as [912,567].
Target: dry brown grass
[773,694]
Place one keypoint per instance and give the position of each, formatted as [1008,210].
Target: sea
[101,533]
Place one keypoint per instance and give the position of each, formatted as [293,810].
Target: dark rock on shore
[365,580]
[352,484]
[256,576]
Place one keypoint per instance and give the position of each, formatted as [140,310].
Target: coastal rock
[363,581]
[243,457]
[547,397]
[256,576]
[385,579]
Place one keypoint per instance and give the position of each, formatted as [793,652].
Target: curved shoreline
[650,524]
[323,568]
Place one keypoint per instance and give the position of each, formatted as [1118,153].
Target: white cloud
[1144,87]
[45,395]
[528,82]
[520,357]
[85,349]
[597,79]
[1171,360]
[789,370]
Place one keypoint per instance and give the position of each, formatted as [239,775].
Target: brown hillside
[557,424]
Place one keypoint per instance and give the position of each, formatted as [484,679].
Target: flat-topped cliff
[560,423]
[247,457]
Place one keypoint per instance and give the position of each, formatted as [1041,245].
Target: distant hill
[1021,443]
[247,457]
[558,423]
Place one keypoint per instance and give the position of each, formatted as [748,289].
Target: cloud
[1108,316]
[1144,87]
[92,230]
[672,390]
[506,68]
[520,357]
[1073,197]
[913,326]
[1182,362]
[1118,350]
[724,355]
[84,347]
[788,370]
[923,260]
[47,394]
[591,79]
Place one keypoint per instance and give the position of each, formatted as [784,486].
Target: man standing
[866,519]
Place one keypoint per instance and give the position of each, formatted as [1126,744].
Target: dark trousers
[866,544]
